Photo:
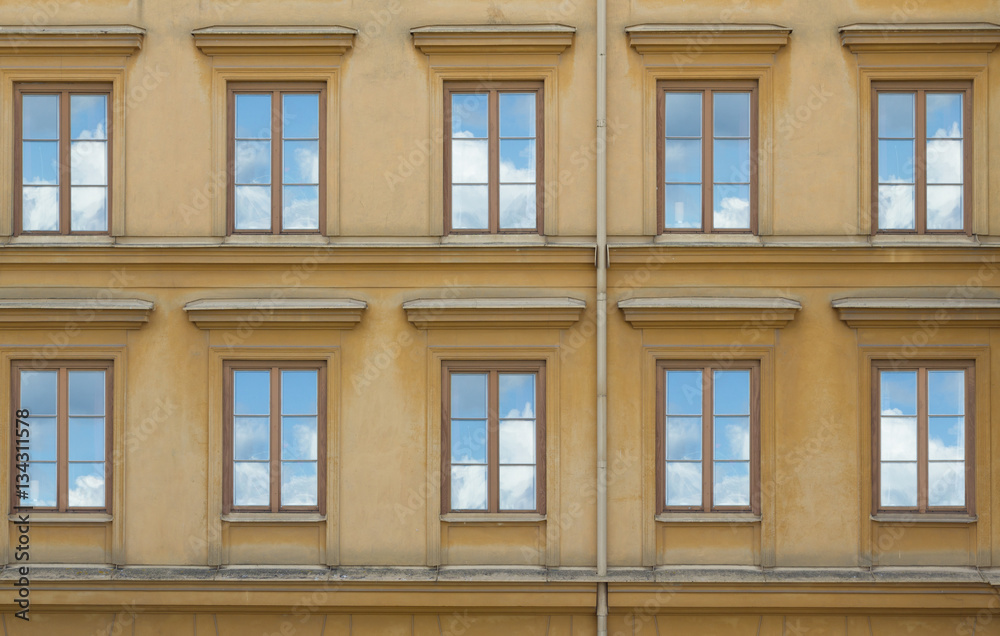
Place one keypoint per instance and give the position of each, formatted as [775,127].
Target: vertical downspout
[602,316]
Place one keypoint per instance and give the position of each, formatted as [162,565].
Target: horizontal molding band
[276,313]
[74,313]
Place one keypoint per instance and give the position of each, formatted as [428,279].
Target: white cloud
[468,487]
[683,484]
[87,492]
[253,208]
[733,489]
[251,484]
[88,163]
[732,212]
[307,160]
[299,490]
[300,214]
[41,209]
[517,487]
[895,207]
[898,438]
[88,209]
[301,442]
[517,442]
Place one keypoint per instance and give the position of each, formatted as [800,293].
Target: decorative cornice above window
[910,312]
[928,36]
[74,313]
[247,40]
[79,40]
[279,313]
[493,313]
[706,313]
[494,38]
[707,38]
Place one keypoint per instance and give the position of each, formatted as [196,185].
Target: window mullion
[494,160]
[64,161]
[493,449]
[707,448]
[62,440]
[275,440]
[276,175]
[920,122]
[707,176]
[922,425]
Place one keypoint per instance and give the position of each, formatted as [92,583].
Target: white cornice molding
[494,38]
[493,313]
[920,36]
[708,312]
[279,313]
[707,38]
[299,40]
[74,313]
[909,312]
[79,40]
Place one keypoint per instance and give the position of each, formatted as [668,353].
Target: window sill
[60,240]
[525,239]
[924,240]
[492,517]
[274,517]
[708,517]
[924,518]
[283,240]
[62,517]
[681,239]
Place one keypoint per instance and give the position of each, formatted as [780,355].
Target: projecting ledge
[908,312]
[277,313]
[707,38]
[906,37]
[709,312]
[493,38]
[493,313]
[245,40]
[74,313]
[115,39]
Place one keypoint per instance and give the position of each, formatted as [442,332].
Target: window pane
[944,115]
[683,438]
[517,395]
[946,392]
[899,484]
[301,159]
[683,484]
[468,395]
[86,392]
[300,208]
[252,392]
[896,115]
[731,161]
[682,114]
[944,161]
[88,163]
[42,440]
[468,441]
[732,484]
[88,209]
[732,207]
[732,115]
[946,438]
[40,163]
[898,439]
[253,116]
[251,484]
[299,392]
[899,392]
[251,438]
[38,392]
[86,439]
[895,207]
[40,207]
[299,439]
[517,160]
[732,392]
[517,206]
[86,485]
[470,207]
[468,487]
[684,392]
[88,116]
[300,116]
[732,438]
[517,442]
[946,484]
[517,114]
[253,162]
[42,485]
[517,488]
[682,206]
[944,207]
[470,161]
[682,160]
[299,484]
[469,115]
[253,207]
[40,117]
[895,161]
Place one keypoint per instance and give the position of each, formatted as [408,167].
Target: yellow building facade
[626,317]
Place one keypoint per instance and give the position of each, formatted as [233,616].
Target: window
[275,437]
[923,157]
[62,162]
[706,157]
[493,448]
[69,436]
[277,154]
[708,437]
[493,157]
[923,440]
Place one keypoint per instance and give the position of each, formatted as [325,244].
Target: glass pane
[300,207]
[86,485]
[251,484]
[683,484]
[946,392]
[299,484]
[517,395]
[946,484]
[470,207]
[683,438]
[88,116]
[682,206]
[253,116]
[40,163]
[517,206]
[517,442]
[944,207]
[470,161]
[898,439]
[895,161]
[895,207]
[899,392]
[86,439]
[253,207]
[469,115]
[944,161]
[88,209]
[300,116]
[42,439]
[731,161]
[253,162]
[517,160]
[40,117]
[86,392]
[731,207]
[684,392]
[299,392]
[682,112]
[732,392]
[252,392]
[38,392]
[732,438]
[41,486]
[899,485]
[301,159]
[41,209]
[946,438]
[468,395]
[251,438]
[732,115]
[468,487]
[682,160]
[299,438]
[944,115]
[517,114]
[468,441]
[732,484]
[517,488]
[896,115]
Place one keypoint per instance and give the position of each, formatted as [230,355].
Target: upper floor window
[923,157]
[277,144]
[62,162]
[493,157]
[706,156]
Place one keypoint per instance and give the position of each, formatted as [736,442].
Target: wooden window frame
[62,431]
[920,151]
[707,424]
[494,89]
[275,367]
[921,367]
[276,90]
[493,368]
[64,90]
[707,89]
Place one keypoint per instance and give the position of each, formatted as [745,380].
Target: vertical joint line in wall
[3,618]
[656,624]
[761,620]
[111,627]
[322,630]
[215,621]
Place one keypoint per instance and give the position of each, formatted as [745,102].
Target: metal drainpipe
[602,316]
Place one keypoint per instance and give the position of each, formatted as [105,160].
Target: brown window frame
[64,90]
[708,89]
[275,367]
[493,368]
[494,89]
[707,424]
[276,90]
[920,155]
[921,367]
[62,431]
